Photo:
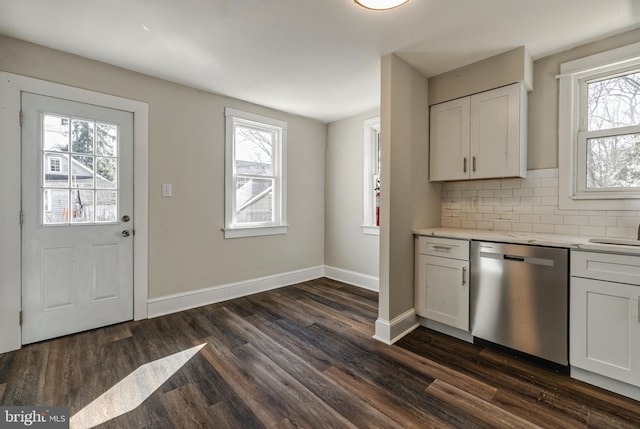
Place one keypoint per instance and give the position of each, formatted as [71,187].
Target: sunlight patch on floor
[133,390]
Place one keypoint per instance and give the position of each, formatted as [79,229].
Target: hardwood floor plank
[293,396]
[26,381]
[406,415]
[186,397]
[265,405]
[483,410]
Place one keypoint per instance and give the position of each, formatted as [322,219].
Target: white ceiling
[317,58]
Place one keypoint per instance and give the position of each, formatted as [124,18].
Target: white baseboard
[185,301]
[447,330]
[606,383]
[391,331]
[353,278]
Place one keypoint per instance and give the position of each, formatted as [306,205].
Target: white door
[77,202]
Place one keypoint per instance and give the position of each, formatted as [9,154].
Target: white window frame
[233,229]
[371,131]
[572,138]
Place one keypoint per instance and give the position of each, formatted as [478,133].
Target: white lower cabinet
[605,319]
[442,281]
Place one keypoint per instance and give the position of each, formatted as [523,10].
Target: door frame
[11,86]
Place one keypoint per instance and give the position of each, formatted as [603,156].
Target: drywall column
[408,200]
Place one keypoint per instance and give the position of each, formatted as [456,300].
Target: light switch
[166,190]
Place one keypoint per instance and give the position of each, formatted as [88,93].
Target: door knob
[126,233]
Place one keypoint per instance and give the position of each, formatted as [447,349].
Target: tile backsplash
[528,205]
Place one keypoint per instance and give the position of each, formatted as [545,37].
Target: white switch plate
[166,190]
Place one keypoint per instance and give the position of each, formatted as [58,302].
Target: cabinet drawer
[444,247]
[606,266]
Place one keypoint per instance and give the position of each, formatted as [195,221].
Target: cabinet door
[497,137]
[442,292]
[605,329]
[449,140]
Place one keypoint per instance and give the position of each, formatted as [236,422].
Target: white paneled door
[77,203]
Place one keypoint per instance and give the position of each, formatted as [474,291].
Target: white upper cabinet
[450,126]
[480,137]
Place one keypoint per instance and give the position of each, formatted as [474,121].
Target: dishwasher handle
[513,258]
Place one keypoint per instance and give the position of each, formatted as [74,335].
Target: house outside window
[255,177]
[599,130]
[371,178]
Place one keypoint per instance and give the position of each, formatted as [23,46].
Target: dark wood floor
[300,356]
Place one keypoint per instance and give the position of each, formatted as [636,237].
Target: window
[255,181]
[599,129]
[54,165]
[371,190]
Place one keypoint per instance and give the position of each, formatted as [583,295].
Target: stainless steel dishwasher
[519,298]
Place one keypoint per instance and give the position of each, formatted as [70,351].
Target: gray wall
[408,200]
[346,246]
[186,148]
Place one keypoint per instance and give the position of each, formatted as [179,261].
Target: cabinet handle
[464,278]
[473,161]
[639,309]
[442,248]
[464,164]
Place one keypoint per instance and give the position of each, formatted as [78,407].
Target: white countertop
[552,240]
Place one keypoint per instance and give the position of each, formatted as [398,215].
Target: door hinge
[20,317]
[21,118]
[21,218]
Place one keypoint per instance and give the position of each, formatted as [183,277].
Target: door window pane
[82,136]
[82,172]
[106,206]
[107,169]
[82,206]
[55,168]
[55,206]
[55,133]
[107,139]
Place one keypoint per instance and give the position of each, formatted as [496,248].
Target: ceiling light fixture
[380,4]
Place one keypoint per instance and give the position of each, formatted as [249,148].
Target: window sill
[255,231]
[370,230]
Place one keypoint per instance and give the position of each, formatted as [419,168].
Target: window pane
[107,169]
[55,206]
[613,162]
[614,102]
[107,139]
[82,172]
[81,136]
[254,151]
[106,206]
[81,206]
[254,200]
[56,170]
[55,133]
